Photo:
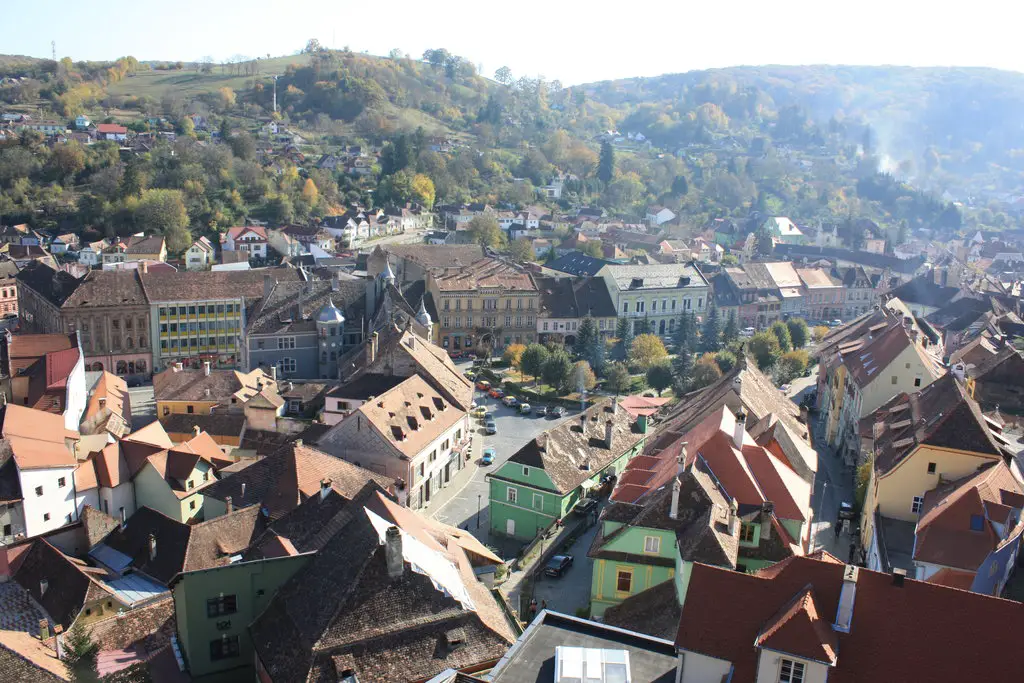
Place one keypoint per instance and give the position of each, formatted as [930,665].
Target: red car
[496,393]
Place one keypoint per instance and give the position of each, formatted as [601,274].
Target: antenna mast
[53,49]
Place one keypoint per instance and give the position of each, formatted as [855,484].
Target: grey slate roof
[664,276]
[577,263]
[293,306]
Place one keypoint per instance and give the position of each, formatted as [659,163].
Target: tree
[312,46]
[726,360]
[309,192]
[617,380]
[423,190]
[710,336]
[819,333]
[583,376]
[593,248]
[504,76]
[226,98]
[798,332]
[680,186]
[659,376]
[521,250]
[485,230]
[792,365]
[731,331]
[161,211]
[513,354]
[766,350]
[705,372]
[589,345]
[624,335]
[68,160]
[242,145]
[682,365]
[532,361]
[606,163]
[557,370]
[781,332]
[646,350]
[730,260]
[80,654]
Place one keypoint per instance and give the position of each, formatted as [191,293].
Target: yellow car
[480,412]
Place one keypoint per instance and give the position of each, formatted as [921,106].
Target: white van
[748,332]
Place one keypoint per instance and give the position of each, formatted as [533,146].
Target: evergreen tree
[606,163]
[682,366]
[731,332]
[80,655]
[624,333]
[589,345]
[680,185]
[686,332]
[710,336]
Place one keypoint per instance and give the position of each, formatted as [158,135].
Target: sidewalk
[457,482]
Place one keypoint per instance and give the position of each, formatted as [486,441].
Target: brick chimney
[609,431]
[393,553]
[229,504]
[152,547]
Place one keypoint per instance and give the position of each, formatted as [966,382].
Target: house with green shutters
[545,479]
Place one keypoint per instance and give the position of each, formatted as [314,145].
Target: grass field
[184,83]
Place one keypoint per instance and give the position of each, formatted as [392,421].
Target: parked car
[510,401]
[835,323]
[542,411]
[483,385]
[480,412]
[490,427]
[847,511]
[495,393]
[470,374]
[785,388]
[556,411]
[488,458]
[558,565]
[748,332]
[524,408]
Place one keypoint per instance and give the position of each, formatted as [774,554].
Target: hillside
[950,128]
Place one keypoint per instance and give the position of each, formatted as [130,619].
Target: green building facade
[214,608]
[648,557]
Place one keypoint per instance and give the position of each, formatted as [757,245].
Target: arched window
[130,343]
[142,341]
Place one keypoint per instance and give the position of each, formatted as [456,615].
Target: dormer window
[397,432]
[791,671]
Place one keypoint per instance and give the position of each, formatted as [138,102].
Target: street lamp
[478,511]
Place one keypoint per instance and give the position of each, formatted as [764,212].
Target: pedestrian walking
[533,608]
[853,553]
[543,604]
[838,527]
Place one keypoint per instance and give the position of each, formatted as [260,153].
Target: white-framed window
[791,671]
[512,495]
[286,342]
[652,544]
[538,501]
[286,365]
[917,505]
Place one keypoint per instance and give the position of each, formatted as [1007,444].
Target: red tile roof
[59,365]
[799,629]
[111,128]
[915,632]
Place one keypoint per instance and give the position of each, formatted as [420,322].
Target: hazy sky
[571,41]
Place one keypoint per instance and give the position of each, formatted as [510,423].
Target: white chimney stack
[273,372]
[673,512]
[741,428]
[325,488]
[206,368]
[393,553]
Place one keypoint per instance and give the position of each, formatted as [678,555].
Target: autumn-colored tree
[705,372]
[226,98]
[647,349]
[766,349]
[521,250]
[309,192]
[582,376]
[819,333]
[423,190]
[513,356]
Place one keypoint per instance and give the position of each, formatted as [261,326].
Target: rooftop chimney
[609,430]
[124,519]
[847,597]
[376,344]
[43,585]
[615,406]
[959,371]
[229,504]
[673,511]
[898,576]
[206,368]
[741,428]
[273,372]
[243,490]
[152,547]
[583,423]
[268,285]
[370,356]
[733,510]
[179,366]
[393,553]
[103,402]
[325,488]
[144,266]
[196,430]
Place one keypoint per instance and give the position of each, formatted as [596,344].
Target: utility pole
[275,94]
[53,49]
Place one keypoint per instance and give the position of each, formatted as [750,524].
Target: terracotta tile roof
[798,629]
[219,386]
[435,256]
[913,632]
[410,416]
[953,578]
[152,434]
[106,288]
[111,128]
[486,273]
[37,439]
[207,285]
[68,588]
[957,525]
[85,476]
[26,349]
[16,666]
[941,414]
[217,424]
[563,451]
[96,524]
[642,405]
[114,392]
[342,611]
[654,611]
[152,244]
[292,474]
[183,547]
[238,231]
[147,628]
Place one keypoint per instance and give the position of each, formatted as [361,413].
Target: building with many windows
[565,302]
[657,294]
[199,317]
[489,303]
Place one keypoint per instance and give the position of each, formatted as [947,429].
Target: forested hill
[963,120]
